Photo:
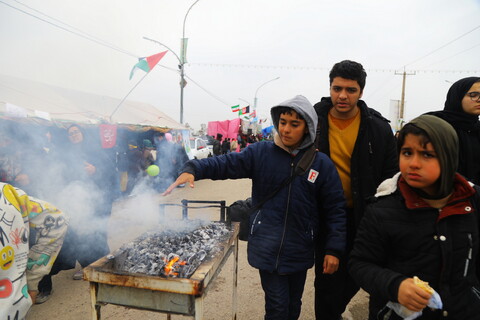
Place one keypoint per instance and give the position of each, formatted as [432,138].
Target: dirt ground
[133,216]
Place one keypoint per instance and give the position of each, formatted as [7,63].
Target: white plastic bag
[435,302]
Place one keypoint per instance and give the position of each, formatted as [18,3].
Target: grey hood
[302,106]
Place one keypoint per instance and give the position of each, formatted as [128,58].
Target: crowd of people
[396,216]
[68,168]
[371,210]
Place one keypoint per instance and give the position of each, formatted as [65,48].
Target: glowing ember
[172,253]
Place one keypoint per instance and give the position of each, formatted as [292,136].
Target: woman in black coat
[462,108]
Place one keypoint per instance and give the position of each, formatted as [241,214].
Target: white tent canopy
[25,98]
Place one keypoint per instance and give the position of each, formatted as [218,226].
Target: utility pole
[402,100]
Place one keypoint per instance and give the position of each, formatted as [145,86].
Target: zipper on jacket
[469,256]
[285,220]
[254,221]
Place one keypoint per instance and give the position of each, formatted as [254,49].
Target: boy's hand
[412,296]
[183,178]
[330,264]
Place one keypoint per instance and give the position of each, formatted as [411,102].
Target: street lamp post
[182,59]
[255,99]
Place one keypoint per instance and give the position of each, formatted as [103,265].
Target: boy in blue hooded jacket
[283,232]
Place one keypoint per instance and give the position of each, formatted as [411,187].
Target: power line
[88,37]
[478,44]
[99,41]
[211,94]
[441,47]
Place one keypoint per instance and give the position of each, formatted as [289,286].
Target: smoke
[146,207]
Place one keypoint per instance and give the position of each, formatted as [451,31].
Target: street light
[182,59]
[255,99]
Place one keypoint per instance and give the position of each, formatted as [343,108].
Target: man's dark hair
[349,70]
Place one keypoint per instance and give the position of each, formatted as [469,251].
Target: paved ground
[130,218]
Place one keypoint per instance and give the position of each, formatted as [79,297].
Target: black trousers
[333,292]
[283,294]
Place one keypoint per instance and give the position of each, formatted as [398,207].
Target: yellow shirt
[342,135]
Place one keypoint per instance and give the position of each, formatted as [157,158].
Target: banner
[108,135]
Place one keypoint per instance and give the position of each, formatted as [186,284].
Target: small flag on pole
[147,63]
[236,108]
[244,110]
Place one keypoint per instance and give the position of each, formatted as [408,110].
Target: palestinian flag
[148,63]
[236,108]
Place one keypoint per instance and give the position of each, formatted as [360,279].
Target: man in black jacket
[362,146]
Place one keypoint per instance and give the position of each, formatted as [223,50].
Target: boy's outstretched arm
[183,178]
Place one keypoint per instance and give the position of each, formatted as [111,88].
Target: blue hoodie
[283,232]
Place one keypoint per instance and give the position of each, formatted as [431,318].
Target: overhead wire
[78,32]
[99,41]
[443,46]
[452,56]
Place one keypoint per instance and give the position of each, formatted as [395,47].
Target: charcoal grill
[182,296]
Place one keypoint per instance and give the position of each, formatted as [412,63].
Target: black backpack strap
[306,161]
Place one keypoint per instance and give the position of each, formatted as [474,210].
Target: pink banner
[227,128]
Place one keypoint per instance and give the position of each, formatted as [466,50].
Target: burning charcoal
[173,253]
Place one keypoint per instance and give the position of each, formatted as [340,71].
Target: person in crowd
[462,108]
[87,196]
[233,145]
[180,156]
[135,165]
[226,146]
[217,147]
[170,159]
[424,222]
[11,164]
[148,153]
[282,234]
[31,235]
[361,144]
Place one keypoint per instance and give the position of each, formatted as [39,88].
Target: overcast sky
[235,46]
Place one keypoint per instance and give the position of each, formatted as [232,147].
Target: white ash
[150,253]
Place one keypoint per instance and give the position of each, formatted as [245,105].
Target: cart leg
[93,299]
[199,308]
[169,316]
[235,277]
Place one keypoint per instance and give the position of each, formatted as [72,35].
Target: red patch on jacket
[458,203]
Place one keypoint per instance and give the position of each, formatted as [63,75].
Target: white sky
[237,45]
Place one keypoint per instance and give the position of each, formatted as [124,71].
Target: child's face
[291,129]
[419,165]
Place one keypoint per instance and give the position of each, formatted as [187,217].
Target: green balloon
[153,170]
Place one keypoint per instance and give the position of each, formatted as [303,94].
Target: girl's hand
[412,296]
